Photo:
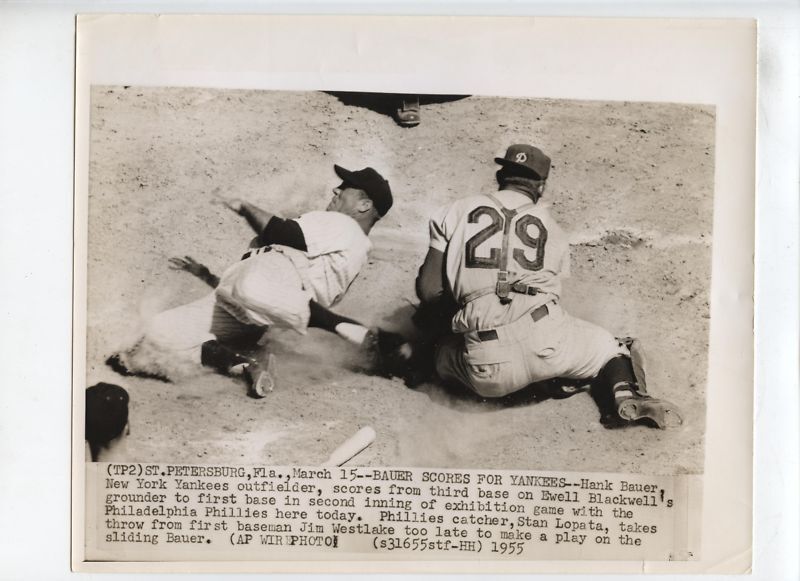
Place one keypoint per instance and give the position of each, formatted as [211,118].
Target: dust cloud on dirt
[632,183]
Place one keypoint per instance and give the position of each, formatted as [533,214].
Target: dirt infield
[632,183]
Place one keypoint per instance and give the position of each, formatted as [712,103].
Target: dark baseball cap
[106,412]
[372,183]
[526,158]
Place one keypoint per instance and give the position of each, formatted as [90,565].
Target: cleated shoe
[407,114]
[261,379]
[648,410]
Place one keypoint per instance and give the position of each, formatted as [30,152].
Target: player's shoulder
[477,200]
[465,204]
[320,215]
[328,218]
[457,211]
[543,209]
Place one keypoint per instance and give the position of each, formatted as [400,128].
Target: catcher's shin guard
[638,361]
[622,403]
[224,359]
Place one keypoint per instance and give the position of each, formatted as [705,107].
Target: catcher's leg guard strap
[622,402]
[638,360]
[616,376]
[618,372]
[215,354]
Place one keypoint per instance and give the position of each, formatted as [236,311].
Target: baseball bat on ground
[351,447]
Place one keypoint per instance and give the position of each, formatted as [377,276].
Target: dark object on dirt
[115,363]
[403,108]
[106,415]
[407,113]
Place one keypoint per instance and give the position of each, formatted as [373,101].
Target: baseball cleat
[659,412]
[261,378]
[408,113]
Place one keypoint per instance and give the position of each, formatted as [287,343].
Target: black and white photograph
[341,316]
[486,282]
[367,288]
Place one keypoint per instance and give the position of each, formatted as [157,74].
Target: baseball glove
[390,352]
[396,356]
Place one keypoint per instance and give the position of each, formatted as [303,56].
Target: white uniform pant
[184,329]
[262,291]
[266,289]
[525,352]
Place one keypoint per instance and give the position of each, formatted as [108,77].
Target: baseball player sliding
[492,276]
[294,271]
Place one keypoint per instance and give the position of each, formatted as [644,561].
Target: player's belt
[255,251]
[536,314]
[525,289]
[516,287]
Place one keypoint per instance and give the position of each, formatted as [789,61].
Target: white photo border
[37,44]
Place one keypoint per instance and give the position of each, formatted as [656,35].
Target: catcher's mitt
[395,356]
[390,352]
[434,318]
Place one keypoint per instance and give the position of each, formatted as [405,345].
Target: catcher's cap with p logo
[373,183]
[526,159]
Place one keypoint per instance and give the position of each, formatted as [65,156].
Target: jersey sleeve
[441,227]
[328,232]
[430,282]
[564,271]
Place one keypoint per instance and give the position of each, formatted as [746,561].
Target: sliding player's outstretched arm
[191,266]
[256,217]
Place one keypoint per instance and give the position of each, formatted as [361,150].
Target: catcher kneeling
[490,289]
